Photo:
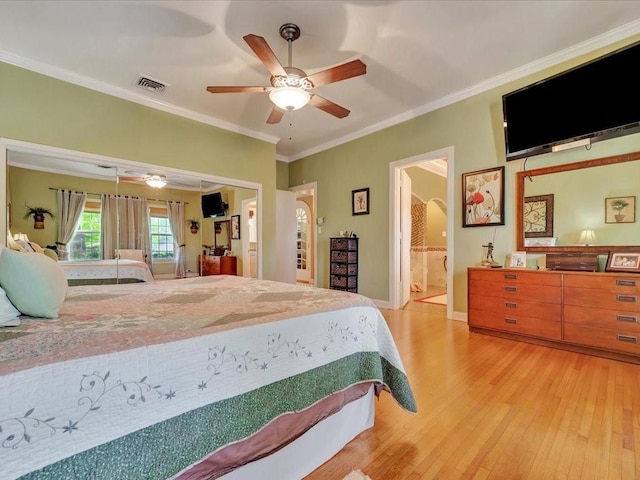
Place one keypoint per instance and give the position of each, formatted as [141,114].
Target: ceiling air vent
[151,85]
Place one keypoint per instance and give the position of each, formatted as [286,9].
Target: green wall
[42,110]
[474,128]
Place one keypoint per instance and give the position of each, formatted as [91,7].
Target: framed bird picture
[482,197]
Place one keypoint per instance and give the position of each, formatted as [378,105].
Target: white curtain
[125,225]
[176,222]
[70,207]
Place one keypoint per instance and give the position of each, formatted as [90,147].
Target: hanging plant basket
[38,214]
[194,226]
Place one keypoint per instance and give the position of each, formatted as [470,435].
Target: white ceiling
[420,55]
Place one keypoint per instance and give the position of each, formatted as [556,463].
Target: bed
[207,377]
[100,272]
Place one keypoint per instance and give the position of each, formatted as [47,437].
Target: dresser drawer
[607,282]
[602,318]
[516,277]
[509,307]
[515,291]
[614,340]
[525,325]
[600,298]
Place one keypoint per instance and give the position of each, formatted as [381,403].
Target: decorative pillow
[8,313]
[35,284]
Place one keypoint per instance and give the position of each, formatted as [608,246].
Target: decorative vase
[619,217]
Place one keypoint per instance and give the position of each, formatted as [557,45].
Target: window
[161,238]
[85,243]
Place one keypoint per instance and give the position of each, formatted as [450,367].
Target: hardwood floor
[491,408]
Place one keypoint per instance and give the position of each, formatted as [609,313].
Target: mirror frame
[520,183]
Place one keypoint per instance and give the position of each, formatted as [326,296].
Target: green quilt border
[164,449]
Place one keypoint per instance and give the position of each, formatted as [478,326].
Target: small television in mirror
[595,101]
[212,205]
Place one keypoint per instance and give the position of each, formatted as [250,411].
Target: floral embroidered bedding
[145,380]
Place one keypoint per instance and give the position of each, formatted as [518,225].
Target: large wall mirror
[35,172]
[572,207]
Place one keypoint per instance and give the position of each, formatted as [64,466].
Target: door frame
[394,222]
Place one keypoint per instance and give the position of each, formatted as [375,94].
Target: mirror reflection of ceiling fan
[291,87]
[155,180]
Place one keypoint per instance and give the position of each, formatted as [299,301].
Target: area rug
[357,475]
[437,299]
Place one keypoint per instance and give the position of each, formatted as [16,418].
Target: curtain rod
[99,194]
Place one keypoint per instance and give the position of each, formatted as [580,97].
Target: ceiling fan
[290,86]
[156,180]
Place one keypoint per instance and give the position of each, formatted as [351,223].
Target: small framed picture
[538,216]
[518,260]
[235,227]
[620,210]
[360,202]
[623,262]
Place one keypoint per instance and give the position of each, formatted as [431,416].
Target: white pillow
[8,313]
[35,284]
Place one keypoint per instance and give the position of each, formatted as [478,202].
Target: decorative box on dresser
[597,313]
[344,264]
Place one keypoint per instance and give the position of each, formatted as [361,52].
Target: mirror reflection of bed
[33,178]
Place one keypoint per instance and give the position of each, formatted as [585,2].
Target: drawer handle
[627,298]
[511,304]
[513,321]
[621,282]
[509,288]
[627,318]
[511,276]
[627,338]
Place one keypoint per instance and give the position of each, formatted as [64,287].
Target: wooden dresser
[596,313]
[217,265]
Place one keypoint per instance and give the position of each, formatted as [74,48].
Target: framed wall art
[620,210]
[235,227]
[482,197]
[360,202]
[621,261]
[538,216]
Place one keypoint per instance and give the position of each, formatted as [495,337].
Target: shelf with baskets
[344,264]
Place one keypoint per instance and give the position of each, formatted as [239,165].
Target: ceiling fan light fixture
[156,181]
[289,98]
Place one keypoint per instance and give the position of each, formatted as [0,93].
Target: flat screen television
[212,205]
[595,101]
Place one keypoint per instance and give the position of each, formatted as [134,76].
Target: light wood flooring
[491,408]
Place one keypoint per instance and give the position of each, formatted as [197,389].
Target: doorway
[306,235]
[400,241]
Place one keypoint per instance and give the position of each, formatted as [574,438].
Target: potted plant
[194,225]
[619,205]
[38,214]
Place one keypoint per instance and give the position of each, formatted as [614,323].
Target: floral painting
[482,197]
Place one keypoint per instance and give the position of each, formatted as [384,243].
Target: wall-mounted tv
[595,101]
[212,205]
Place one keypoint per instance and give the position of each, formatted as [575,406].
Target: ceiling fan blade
[131,179]
[328,106]
[263,51]
[276,115]
[238,89]
[338,73]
